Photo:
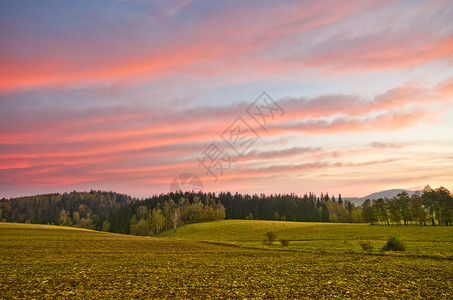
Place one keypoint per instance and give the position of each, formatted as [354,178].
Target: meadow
[322,237]
[223,259]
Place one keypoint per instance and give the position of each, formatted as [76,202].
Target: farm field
[52,262]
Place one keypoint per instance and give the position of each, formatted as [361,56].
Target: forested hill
[110,211]
[84,209]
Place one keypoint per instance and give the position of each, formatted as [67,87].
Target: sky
[349,97]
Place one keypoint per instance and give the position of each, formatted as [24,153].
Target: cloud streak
[262,44]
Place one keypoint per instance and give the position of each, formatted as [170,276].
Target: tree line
[113,212]
[290,207]
[119,213]
[163,212]
[433,206]
[81,209]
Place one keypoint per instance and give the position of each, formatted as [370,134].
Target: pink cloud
[214,41]
[375,53]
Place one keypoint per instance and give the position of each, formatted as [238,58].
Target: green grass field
[53,262]
[322,237]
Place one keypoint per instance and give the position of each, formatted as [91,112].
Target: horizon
[346,197]
[345,97]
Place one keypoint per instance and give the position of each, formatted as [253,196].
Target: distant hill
[377,195]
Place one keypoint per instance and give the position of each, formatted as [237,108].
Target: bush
[141,228]
[366,245]
[285,243]
[270,236]
[394,244]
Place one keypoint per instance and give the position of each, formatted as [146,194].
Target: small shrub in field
[285,243]
[366,245]
[270,236]
[394,244]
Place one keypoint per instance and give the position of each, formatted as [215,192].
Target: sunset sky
[126,95]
